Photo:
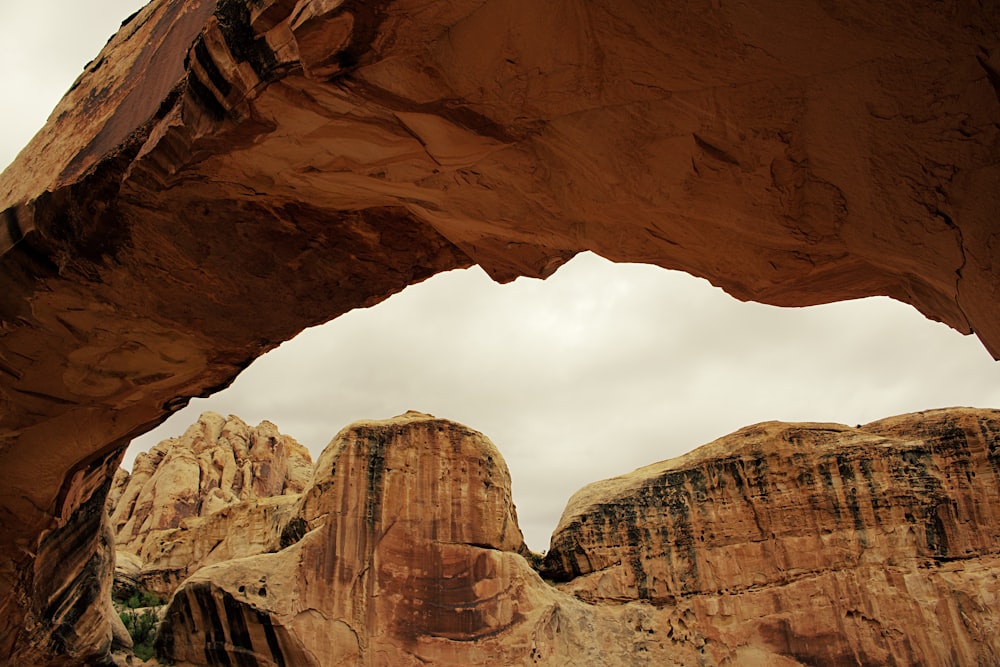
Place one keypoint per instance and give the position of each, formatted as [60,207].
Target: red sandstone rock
[826,544]
[781,544]
[414,558]
[219,160]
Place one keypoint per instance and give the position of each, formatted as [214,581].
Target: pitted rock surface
[221,490]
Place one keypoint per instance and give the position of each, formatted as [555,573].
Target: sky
[592,373]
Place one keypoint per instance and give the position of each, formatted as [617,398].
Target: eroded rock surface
[222,490]
[219,160]
[827,544]
[781,544]
[414,558]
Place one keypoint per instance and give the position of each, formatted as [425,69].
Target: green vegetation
[138,600]
[141,626]
[138,610]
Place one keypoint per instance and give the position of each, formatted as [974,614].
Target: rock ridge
[894,525]
[221,490]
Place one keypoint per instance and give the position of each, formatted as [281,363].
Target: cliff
[220,159]
[414,557]
[222,490]
[780,544]
[824,543]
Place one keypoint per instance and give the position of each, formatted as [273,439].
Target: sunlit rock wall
[222,490]
[826,543]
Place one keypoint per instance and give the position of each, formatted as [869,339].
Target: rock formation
[823,543]
[222,490]
[414,557]
[221,159]
[781,544]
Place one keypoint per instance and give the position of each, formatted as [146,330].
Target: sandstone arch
[227,173]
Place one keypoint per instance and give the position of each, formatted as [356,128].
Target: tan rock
[781,544]
[220,160]
[415,558]
[820,542]
[222,490]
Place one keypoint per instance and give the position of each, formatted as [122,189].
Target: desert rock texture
[827,544]
[413,557]
[222,490]
[780,544]
[226,172]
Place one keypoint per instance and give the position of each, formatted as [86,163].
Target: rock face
[414,535]
[222,490]
[70,582]
[223,159]
[781,544]
[823,543]
[414,558]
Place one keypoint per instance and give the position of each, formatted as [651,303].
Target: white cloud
[599,370]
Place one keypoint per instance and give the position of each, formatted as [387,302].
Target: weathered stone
[827,544]
[70,581]
[222,490]
[220,160]
[781,544]
[415,558]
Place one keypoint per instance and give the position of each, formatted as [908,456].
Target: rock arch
[227,173]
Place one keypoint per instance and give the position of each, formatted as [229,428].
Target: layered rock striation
[222,490]
[414,557]
[827,544]
[780,544]
[220,159]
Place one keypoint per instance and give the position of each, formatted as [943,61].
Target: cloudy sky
[596,371]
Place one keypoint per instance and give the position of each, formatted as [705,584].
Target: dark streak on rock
[375,472]
[206,98]
[845,467]
[207,63]
[243,42]
[239,635]
[273,645]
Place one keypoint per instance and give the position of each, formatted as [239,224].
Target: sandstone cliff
[414,558]
[827,544]
[781,544]
[223,158]
[222,490]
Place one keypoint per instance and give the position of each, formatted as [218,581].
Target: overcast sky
[596,371]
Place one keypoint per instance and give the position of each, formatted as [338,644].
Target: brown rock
[781,544]
[415,558]
[70,582]
[222,490]
[823,543]
[219,160]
